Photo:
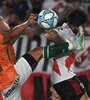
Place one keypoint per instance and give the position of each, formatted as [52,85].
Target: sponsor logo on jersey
[12,88]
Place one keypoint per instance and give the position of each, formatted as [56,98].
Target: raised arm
[11,34]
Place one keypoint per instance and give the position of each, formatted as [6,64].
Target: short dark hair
[77,17]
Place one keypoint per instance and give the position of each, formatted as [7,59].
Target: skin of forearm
[54,37]
[12,34]
[58,40]
[16,31]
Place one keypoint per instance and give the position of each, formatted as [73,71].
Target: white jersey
[62,69]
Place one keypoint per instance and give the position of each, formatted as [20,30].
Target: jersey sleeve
[61,32]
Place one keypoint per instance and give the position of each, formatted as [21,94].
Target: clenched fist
[32,19]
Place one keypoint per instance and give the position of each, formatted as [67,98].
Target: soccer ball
[48,19]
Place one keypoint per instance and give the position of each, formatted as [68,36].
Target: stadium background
[17,11]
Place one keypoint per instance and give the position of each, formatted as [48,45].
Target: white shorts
[23,70]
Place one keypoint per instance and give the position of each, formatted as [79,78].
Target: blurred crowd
[17,11]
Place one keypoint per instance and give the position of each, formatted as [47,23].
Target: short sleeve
[61,32]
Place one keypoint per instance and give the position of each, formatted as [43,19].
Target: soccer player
[13,75]
[64,81]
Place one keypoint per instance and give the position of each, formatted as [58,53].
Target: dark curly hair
[77,17]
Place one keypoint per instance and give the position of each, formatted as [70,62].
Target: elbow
[51,36]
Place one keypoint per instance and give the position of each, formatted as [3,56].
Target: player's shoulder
[63,27]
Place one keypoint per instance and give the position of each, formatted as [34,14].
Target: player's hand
[54,96]
[32,19]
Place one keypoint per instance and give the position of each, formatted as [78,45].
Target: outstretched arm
[11,34]
[49,51]
[34,56]
[78,44]
[54,37]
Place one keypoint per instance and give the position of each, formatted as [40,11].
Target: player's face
[4,27]
[74,28]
